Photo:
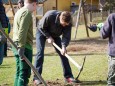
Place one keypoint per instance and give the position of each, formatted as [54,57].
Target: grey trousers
[111,71]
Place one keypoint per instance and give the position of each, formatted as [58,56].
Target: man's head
[20,3]
[65,18]
[30,4]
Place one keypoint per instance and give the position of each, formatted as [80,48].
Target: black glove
[21,52]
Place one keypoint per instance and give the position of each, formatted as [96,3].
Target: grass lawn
[94,73]
[95,68]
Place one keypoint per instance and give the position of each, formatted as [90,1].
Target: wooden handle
[70,59]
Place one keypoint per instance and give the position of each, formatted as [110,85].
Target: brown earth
[83,46]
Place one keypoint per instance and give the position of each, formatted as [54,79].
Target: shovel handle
[70,59]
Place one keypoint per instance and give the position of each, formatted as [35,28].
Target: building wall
[49,5]
[75,1]
[63,5]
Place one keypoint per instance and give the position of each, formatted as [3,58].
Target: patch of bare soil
[94,45]
[84,46]
[57,83]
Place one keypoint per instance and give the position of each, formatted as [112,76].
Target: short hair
[66,16]
[21,1]
[30,1]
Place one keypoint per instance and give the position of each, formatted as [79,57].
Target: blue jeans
[39,59]
[1,53]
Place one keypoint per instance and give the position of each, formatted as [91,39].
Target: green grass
[81,33]
[95,69]
[94,73]
[7,71]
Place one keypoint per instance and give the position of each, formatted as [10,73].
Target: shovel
[80,68]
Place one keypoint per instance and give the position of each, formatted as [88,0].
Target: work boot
[37,82]
[71,80]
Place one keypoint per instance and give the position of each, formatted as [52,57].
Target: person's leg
[39,58]
[111,71]
[17,70]
[1,53]
[17,58]
[5,49]
[65,63]
[25,70]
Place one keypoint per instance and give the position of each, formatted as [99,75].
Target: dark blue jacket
[50,25]
[108,31]
[3,19]
[0,1]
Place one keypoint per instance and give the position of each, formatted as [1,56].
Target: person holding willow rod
[54,24]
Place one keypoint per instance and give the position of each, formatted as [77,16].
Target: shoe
[37,82]
[72,80]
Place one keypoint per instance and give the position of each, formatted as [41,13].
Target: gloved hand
[50,40]
[21,53]
[63,50]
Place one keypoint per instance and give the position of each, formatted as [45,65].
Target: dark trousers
[5,49]
[23,71]
[1,53]
[39,59]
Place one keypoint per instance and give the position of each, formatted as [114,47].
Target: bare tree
[109,5]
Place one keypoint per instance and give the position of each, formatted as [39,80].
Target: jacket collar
[57,21]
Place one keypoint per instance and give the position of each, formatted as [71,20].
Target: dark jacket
[108,31]
[0,1]
[3,19]
[50,25]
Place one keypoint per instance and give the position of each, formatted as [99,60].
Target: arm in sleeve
[45,25]
[66,36]
[23,29]
[106,29]
[3,19]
